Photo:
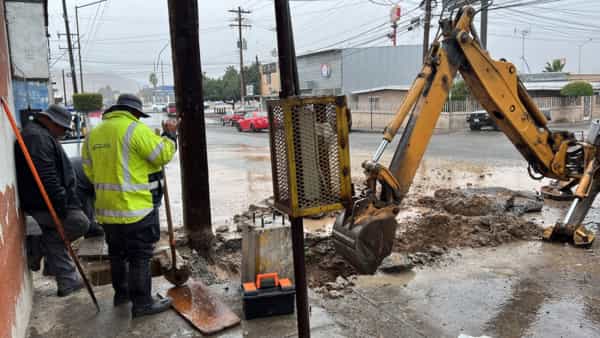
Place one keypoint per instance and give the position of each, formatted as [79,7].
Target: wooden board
[202,309]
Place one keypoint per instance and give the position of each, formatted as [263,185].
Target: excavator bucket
[365,240]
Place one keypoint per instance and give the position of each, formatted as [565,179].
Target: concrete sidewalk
[76,316]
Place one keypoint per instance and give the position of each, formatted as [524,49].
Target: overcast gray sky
[125,36]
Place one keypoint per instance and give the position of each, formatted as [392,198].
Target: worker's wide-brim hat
[128,102]
[59,115]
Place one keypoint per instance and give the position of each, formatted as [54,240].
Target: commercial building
[344,71]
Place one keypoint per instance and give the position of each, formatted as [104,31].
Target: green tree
[555,66]
[577,88]
[231,84]
[252,77]
[153,80]
[459,91]
[87,102]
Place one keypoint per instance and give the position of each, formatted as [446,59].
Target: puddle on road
[384,279]
[531,289]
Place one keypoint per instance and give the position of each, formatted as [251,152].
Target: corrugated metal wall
[367,68]
[311,77]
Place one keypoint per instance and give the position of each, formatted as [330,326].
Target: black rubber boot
[34,252]
[118,271]
[140,288]
[157,306]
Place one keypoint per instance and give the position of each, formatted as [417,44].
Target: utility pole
[239,26]
[70,47]
[64,89]
[484,23]
[79,38]
[426,27]
[187,71]
[79,48]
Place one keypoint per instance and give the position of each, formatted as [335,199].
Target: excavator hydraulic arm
[365,233]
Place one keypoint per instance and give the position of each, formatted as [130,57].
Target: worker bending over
[56,173]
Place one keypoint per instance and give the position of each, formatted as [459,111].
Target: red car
[253,121]
[231,118]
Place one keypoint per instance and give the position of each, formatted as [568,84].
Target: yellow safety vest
[118,157]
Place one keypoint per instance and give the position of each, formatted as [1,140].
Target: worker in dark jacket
[56,173]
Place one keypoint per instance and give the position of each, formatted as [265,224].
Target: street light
[159,60]
[79,37]
[580,47]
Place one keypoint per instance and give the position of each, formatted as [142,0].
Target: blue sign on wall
[30,95]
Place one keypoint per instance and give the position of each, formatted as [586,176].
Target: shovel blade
[179,275]
[201,308]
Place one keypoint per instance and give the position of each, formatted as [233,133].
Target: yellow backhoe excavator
[364,234]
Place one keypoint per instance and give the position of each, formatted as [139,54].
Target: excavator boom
[364,234]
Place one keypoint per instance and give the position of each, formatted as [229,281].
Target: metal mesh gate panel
[310,154]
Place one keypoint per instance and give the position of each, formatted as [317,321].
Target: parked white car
[159,107]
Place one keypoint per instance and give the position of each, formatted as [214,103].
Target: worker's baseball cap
[59,115]
[128,102]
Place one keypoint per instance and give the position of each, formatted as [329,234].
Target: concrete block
[267,250]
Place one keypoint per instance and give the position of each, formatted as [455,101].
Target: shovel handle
[169,220]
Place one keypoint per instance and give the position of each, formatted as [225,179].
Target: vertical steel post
[187,70]
[290,87]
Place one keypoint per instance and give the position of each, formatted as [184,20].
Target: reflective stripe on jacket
[118,157]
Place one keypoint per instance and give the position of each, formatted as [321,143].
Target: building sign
[395,13]
[325,70]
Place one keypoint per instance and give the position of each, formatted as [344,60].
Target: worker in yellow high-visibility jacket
[123,158]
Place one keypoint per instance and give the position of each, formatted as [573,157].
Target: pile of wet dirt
[451,218]
[323,264]
[222,265]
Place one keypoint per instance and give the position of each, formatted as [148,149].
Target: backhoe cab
[365,233]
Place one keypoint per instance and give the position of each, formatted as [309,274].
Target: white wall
[28,45]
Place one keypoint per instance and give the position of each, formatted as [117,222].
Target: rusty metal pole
[290,87]
[187,70]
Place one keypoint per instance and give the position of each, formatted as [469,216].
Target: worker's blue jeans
[130,248]
[56,258]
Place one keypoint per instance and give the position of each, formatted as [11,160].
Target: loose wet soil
[428,227]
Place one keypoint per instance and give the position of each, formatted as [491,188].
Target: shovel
[176,276]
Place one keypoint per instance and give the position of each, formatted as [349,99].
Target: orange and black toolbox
[268,296]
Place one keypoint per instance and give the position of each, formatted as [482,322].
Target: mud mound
[452,231]
[482,201]
[323,264]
